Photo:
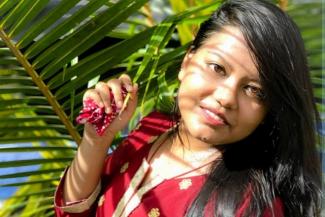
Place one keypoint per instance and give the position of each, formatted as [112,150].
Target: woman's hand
[101,96]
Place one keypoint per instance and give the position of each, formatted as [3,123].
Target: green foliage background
[47,62]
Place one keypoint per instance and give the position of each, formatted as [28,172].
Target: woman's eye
[255,92]
[217,68]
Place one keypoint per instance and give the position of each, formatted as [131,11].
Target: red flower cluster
[97,116]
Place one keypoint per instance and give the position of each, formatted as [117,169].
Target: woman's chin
[201,133]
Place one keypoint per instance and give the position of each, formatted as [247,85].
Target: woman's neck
[192,149]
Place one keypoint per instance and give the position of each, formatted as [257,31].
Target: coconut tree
[52,51]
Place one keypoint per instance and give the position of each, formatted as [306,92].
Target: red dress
[120,193]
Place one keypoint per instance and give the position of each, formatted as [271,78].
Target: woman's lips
[213,118]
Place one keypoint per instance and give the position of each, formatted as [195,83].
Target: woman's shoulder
[277,209]
[274,209]
[148,129]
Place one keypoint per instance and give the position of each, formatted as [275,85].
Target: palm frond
[50,54]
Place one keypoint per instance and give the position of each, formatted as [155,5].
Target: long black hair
[279,160]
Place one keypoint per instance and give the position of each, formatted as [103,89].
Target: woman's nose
[226,96]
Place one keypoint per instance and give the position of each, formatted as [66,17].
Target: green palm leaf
[46,63]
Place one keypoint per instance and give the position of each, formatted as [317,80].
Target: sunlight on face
[220,96]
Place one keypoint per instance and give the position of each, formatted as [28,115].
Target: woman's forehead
[229,46]
[231,34]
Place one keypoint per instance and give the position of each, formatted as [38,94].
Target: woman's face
[220,95]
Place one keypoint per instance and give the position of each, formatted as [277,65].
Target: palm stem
[42,86]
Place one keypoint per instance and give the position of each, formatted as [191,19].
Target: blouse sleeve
[153,124]
[80,208]
[86,207]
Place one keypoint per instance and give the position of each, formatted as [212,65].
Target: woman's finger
[92,94]
[126,81]
[115,86]
[103,90]
[132,103]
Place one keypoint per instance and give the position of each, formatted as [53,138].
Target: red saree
[121,194]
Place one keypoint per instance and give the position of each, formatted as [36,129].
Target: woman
[241,141]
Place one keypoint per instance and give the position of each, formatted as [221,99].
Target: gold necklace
[201,156]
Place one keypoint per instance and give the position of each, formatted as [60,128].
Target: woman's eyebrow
[254,77]
[224,61]
[257,80]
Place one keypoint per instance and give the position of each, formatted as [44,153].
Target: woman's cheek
[197,81]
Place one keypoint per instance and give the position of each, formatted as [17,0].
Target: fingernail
[129,88]
[119,104]
[108,110]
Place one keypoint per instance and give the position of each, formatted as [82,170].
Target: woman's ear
[185,64]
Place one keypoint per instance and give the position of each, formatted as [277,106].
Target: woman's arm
[85,171]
